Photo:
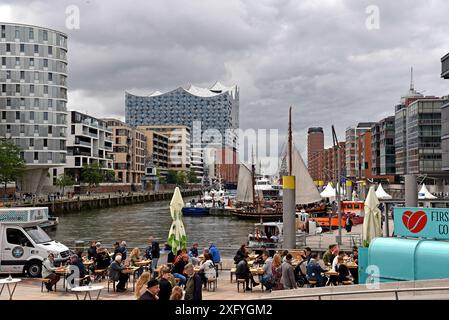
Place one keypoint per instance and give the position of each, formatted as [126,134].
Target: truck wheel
[34,268]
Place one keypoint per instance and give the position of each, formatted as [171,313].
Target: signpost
[430,223]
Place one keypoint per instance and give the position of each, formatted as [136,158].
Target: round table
[8,282]
[87,290]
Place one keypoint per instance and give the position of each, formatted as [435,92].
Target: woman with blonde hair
[176,293]
[276,272]
[134,257]
[141,285]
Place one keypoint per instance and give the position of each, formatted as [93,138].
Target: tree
[92,175]
[109,176]
[191,176]
[63,181]
[172,177]
[181,179]
[12,166]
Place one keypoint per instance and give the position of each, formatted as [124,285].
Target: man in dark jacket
[92,251]
[116,274]
[152,291]
[242,272]
[194,290]
[314,271]
[152,252]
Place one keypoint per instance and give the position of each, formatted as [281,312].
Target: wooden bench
[232,273]
[45,281]
[312,283]
[243,283]
[347,283]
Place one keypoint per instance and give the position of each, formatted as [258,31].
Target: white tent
[328,192]
[381,194]
[424,194]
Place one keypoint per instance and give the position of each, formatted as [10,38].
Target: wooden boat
[50,224]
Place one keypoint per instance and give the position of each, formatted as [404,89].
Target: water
[135,223]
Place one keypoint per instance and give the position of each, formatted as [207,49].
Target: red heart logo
[414,221]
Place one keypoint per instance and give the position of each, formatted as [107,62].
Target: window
[22,128]
[3,61]
[22,102]
[4,115]
[36,156]
[31,62]
[32,141]
[36,48]
[45,89]
[31,115]
[16,237]
[32,89]
[22,47]
[8,47]
[45,142]
[17,115]
[50,76]
[50,103]
[22,75]
[36,103]
[50,130]
[31,34]
[8,74]
[17,61]
[3,32]
[36,129]
[50,156]
[36,75]
[8,128]
[45,35]
[45,63]
[3,87]
[45,116]
[17,34]
[17,88]
[8,102]
[50,50]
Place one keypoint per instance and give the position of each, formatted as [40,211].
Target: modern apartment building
[383,149]
[354,159]
[129,152]
[89,141]
[445,117]
[33,98]
[179,144]
[216,108]
[315,149]
[157,148]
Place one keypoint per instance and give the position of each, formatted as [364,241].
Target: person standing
[165,285]
[92,251]
[288,274]
[48,271]
[152,291]
[213,250]
[193,286]
[153,253]
[348,224]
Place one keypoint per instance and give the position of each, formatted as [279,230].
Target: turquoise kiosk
[418,252]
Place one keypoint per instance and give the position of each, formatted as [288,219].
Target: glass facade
[33,92]
[216,108]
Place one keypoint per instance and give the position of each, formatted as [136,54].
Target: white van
[23,244]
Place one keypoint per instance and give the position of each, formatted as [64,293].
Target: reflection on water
[136,223]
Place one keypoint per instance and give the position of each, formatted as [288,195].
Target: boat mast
[290,142]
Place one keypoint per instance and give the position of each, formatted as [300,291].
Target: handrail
[395,291]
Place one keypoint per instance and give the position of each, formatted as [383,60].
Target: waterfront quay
[97,201]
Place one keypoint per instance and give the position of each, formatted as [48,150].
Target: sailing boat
[253,207]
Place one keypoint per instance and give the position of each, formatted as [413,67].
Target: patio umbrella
[177,237]
[373,220]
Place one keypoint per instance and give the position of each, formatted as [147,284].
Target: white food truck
[23,244]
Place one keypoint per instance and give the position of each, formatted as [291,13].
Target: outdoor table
[88,263]
[253,256]
[8,282]
[63,271]
[197,269]
[143,263]
[87,290]
[131,271]
[352,265]
[329,274]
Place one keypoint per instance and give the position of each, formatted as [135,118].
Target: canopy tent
[381,194]
[424,194]
[373,220]
[177,237]
[328,192]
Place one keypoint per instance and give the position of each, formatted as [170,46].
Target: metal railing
[377,291]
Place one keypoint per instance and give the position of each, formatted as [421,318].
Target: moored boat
[50,224]
[195,211]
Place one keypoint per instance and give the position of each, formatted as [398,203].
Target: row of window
[21,32]
[36,103]
[31,63]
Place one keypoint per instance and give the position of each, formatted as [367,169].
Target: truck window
[15,236]
[37,234]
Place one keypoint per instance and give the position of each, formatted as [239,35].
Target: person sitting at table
[283,255]
[355,255]
[241,253]
[48,271]
[103,259]
[314,271]
[116,273]
[76,262]
[330,254]
[242,271]
[193,284]
[288,275]
[92,251]
[152,291]
[207,270]
[335,261]
[259,259]
[308,253]
[116,248]
[193,254]
[343,271]
[178,268]
[134,257]
[267,277]
[123,250]
[165,284]
[141,285]
[177,293]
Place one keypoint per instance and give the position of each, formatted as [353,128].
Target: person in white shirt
[335,261]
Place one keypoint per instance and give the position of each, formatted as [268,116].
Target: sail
[306,191]
[245,185]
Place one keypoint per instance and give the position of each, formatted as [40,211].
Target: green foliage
[12,166]
[191,176]
[109,176]
[92,175]
[172,177]
[181,180]
[63,181]
[365,244]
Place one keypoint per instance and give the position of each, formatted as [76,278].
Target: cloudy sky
[318,56]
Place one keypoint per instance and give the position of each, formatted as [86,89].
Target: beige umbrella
[177,237]
[373,219]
